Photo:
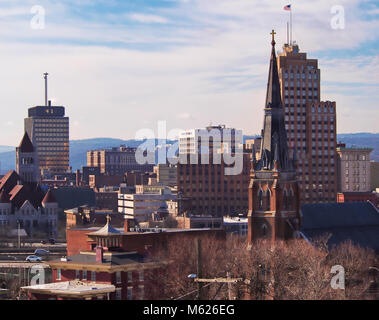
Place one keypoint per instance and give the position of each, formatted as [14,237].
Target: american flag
[287,7]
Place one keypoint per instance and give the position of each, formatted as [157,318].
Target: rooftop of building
[74,288]
[355,221]
[26,145]
[235,220]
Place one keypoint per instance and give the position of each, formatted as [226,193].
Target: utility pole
[199,269]
[19,234]
[229,286]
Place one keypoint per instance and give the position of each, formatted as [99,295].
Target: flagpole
[288,40]
[291,22]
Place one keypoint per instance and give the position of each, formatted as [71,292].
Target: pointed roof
[4,197]
[274,148]
[107,230]
[273,97]
[26,145]
[49,197]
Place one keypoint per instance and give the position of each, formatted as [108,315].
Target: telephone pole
[199,269]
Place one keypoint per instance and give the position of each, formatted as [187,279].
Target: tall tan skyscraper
[310,125]
[48,130]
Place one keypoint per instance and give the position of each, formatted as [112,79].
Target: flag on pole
[287,7]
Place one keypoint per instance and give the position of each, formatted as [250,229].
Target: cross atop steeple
[273,33]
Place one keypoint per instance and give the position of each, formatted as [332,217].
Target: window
[118,277]
[118,294]
[77,274]
[264,230]
[260,199]
[84,275]
[93,276]
[268,201]
[130,276]
[141,292]
[130,293]
[59,274]
[141,275]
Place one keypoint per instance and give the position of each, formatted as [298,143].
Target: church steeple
[273,97]
[274,133]
[272,213]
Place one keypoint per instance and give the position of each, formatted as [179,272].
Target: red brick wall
[77,239]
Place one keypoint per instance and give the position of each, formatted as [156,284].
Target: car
[41,252]
[52,241]
[43,241]
[33,258]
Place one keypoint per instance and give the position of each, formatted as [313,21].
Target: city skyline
[187,62]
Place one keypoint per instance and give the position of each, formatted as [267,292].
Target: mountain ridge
[78,148]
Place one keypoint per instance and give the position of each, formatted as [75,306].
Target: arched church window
[260,200]
[264,230]
[290,200]
[268,200]
[285,200]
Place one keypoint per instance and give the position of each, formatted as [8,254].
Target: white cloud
[147,18]
[211,66]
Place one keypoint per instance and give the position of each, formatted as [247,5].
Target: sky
[119,66]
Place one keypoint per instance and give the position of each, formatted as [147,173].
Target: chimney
[99,254]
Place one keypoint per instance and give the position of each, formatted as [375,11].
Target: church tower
[26,161]
[274,211]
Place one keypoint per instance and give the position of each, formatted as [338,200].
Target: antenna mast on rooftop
[45,77]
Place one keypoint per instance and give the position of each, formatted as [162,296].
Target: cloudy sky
[122,65]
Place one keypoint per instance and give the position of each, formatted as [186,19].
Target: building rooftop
[25,144]
[73,288]
[355,221]
[235,220]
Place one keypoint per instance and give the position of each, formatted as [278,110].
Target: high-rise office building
[206,182]
[310,125]
[48,130]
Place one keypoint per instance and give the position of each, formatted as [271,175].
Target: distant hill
[7,161]
[79,148]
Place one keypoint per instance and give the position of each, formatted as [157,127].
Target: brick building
[203,171]
[353,169]
[116,161]
[105,264]
[310,124]
[274,211]
[167,174]
[98,181]
[106,198]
